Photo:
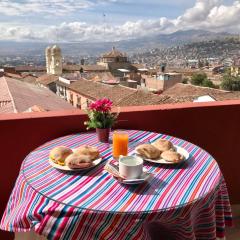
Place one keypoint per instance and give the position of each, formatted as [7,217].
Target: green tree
[230,83]
[208,83]
[185,80]
[198,78]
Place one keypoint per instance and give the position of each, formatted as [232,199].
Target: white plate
[66,168]
[178,149]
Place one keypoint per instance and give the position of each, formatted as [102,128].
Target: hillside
[11,48]
[222,49]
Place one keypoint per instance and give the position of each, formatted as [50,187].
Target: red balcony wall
[213,126]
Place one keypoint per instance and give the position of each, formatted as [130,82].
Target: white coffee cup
[130,167]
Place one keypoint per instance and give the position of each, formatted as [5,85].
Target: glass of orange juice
[120,143]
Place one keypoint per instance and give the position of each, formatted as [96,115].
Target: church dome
[113,54]
[55,49]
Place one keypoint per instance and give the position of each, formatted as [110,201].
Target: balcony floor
[234,233]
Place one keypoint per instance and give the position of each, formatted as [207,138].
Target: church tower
[56,60]
[48,59]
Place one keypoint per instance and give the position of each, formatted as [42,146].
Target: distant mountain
[182,37]
[169,40]
[129,46]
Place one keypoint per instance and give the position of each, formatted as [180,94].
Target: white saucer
[143,178]
[160,160]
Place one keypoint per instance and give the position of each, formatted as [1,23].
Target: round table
[188,200]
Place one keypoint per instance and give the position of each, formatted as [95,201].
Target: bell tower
[48,59]
[56,60]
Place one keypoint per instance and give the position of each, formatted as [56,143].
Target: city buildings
[235,68]
[161,81]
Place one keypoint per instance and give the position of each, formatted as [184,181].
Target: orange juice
[120,144]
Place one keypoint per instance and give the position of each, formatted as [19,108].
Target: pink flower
[101,105]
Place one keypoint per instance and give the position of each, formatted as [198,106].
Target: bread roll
[172,156]
[90,151]
[76,160]
[163,145]
[59,154]
[148,151]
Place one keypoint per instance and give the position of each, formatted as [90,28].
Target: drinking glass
[120,143]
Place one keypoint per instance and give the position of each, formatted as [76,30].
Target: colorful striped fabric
[189,199]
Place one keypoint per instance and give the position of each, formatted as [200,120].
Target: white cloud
[56,7]
[205,14]
[211,15]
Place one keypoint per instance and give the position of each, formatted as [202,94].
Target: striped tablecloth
[184,201]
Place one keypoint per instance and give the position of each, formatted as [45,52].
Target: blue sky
[83,19]
[116,12]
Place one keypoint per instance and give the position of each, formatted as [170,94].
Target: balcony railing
[214,126]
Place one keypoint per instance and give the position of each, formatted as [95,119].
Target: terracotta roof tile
[47,79]
[141,98]
[187,93]
[4,91]
[104,76]
[71,67]
[8,108]
[28,68]
[95,90]
[25,95]
[90,67]
[29,79]
[93,67]
[13,75]
[71,76]
[23,77]
[181,89]
[120,95]
[138,65]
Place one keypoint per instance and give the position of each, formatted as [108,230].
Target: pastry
[148,151]
[171,156]
[163,145]
[90,151]
[59,154]
[76,160]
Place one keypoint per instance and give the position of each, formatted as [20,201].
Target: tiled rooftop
[22,96]
[187,93]
[102,76]
[27,68]
[47,79]
[120,95]
[95,90]
[93,67]
[139,98]
[28,78]
[76,67]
